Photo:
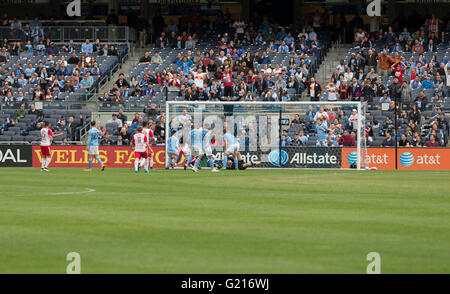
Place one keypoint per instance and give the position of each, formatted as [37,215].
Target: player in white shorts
[150,137]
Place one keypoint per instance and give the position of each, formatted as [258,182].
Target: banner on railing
[112,156]
[291,157]
[408,158]
[15,156]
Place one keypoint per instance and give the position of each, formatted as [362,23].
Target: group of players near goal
[194,148]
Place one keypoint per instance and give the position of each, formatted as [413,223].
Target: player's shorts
[92,150]
[208,151]
[45,150]
[139,155]
[233,149]
[171,154]
[197,151]
[186,151]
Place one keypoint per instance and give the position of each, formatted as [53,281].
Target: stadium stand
[34,68]
[410,70]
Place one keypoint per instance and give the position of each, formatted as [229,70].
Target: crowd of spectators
[118,131]
[409,73]
[48,68]
[225,69]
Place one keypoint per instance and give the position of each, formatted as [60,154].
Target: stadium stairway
[326,69]
[125,68]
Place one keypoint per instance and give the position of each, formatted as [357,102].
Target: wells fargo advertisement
[408,158]
[112,156]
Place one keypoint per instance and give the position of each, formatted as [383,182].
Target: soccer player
[231,147]
[186,151]
[92,147]
[241,164]
[148,132]
[173,147]
[46,140]
[207,150]
[196,146]
[140,144]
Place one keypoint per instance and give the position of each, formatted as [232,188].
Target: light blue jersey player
[92,147]
[173,149]
[207,150]
[196,136]
[231,146]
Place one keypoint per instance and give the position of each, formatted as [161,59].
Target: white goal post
[270,131]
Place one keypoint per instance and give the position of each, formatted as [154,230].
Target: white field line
[72,193]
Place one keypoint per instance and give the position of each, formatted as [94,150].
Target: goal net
[277,134]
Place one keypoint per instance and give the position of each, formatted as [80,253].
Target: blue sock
[169,162]
[99,161]
[236,162]
[211,163]
[197,162]
[225,161]
[189,160]
[90,162]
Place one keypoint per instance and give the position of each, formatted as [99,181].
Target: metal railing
[122,34]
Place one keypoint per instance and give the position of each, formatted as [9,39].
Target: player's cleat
[223,168]
[88,170]
[136,171]
[257,163]
[102,168]
[167,168]
[195,169]
[185,167]
[146,171]
[44,169]
[214,171]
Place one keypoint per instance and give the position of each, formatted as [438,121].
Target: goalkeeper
[241,164]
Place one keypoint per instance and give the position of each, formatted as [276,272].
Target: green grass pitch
[255,221]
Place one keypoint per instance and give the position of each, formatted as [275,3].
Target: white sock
[136,165]
[48,162]
[146,163]
[141,163]
[44,160]
[151,162]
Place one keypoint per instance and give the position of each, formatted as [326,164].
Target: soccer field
[255,221]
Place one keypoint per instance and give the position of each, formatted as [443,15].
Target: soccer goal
[277,134]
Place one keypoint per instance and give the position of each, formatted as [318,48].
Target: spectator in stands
[346,140]
[146,59]
[404,142]
[385,62]
[121,116]
[432,142]
[73,59]
[21,112]
[428,83]
[389,141]
[72,127]
[113,51]
[116,121]
[314,90]
[156,59]
[121,82]
[160,131]
[87,47]
[106,141]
